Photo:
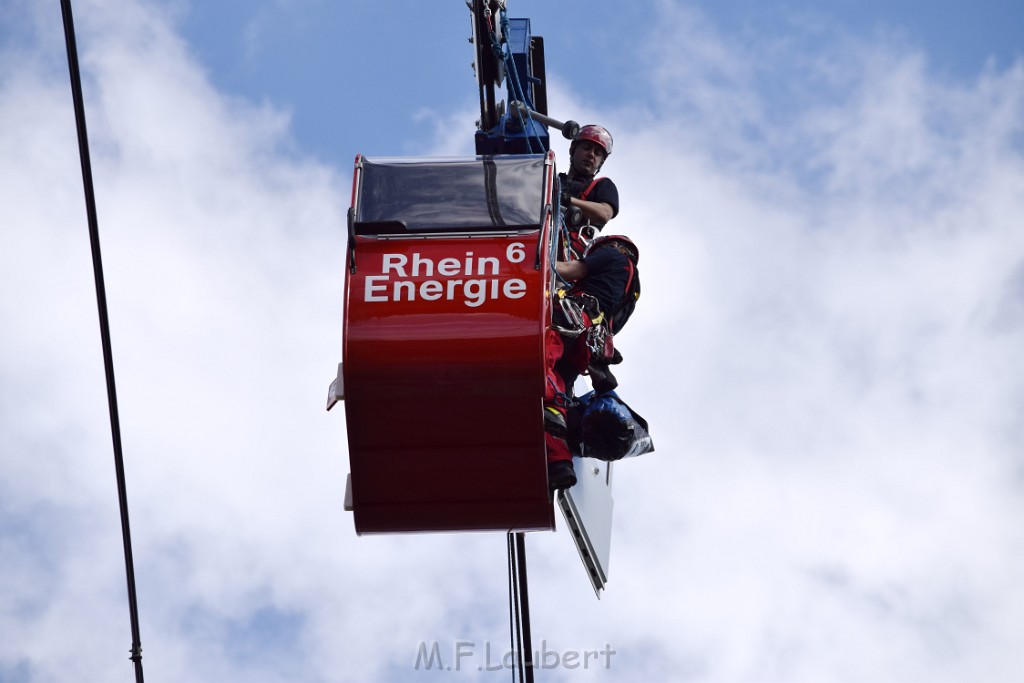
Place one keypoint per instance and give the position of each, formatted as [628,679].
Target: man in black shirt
[597,198]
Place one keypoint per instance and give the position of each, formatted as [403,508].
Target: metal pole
[569,129]
[101,301]
[521,606]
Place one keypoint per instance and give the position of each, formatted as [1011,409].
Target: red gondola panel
[443,361]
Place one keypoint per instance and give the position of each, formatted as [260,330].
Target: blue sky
[827,197]
[415,58]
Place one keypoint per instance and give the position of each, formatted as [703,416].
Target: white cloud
[827,348]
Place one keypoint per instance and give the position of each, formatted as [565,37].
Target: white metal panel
[587,508]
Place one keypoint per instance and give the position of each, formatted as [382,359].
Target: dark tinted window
[483,193]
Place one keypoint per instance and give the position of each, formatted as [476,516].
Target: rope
[514,83]
[101,303]
[561,237]
[504,53]
[562,399]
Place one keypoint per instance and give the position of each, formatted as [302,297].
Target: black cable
[524,605]
[101,302]
[521,604]
[513,611]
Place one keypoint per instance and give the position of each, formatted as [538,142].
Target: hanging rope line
[101,302]
[561,238]
[503,52]
[512,74]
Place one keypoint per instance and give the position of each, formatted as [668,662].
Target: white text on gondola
[401,278]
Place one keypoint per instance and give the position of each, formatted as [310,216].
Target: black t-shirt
[607,277]
[604,191]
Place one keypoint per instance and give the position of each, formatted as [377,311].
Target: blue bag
[609,429]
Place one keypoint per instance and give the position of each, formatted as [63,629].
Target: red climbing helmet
[621,241]
[596,134]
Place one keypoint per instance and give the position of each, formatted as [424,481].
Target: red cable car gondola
[447,297]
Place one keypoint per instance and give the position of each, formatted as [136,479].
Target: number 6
[516,252]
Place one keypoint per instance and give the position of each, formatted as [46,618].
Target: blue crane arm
[507,52]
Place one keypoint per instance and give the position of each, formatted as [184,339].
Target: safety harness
[580,236]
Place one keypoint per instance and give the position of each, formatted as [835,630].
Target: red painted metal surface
[444,378]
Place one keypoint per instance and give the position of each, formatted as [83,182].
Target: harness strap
[595,181]
[577,241]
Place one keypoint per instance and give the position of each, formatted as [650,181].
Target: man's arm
[599,212]
[571,270]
